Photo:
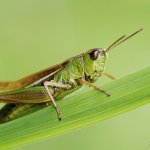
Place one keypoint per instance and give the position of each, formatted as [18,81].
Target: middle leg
[55,84]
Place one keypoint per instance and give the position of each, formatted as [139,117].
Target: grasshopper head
[94,59]
[94,63]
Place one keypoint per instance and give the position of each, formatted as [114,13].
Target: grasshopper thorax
[94,63]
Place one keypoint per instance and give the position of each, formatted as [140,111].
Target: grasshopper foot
[58,113]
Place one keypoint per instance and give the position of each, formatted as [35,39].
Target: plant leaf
[79,110]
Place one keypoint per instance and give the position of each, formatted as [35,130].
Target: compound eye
[94,54]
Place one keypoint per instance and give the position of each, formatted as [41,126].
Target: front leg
[81,81]
[55,84]
[107,74]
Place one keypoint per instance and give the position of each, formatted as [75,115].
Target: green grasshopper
[55,82]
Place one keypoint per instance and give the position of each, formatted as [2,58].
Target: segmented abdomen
[11,111]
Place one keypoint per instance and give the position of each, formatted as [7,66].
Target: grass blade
[79,110]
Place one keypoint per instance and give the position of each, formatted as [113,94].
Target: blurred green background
[36,34]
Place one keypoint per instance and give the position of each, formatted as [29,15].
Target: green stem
[79,110]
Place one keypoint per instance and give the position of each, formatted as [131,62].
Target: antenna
[121,40]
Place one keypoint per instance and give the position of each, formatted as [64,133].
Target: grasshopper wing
[31,80]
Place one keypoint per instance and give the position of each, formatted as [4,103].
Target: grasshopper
[54,83]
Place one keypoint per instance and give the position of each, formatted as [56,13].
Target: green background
[36,34]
